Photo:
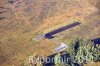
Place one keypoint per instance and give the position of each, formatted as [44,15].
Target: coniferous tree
[57,60]
[83,51]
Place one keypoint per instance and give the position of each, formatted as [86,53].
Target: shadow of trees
[96,41]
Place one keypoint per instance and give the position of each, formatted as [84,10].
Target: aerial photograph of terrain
[49,32]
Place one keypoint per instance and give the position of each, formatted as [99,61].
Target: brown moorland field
[22,20]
